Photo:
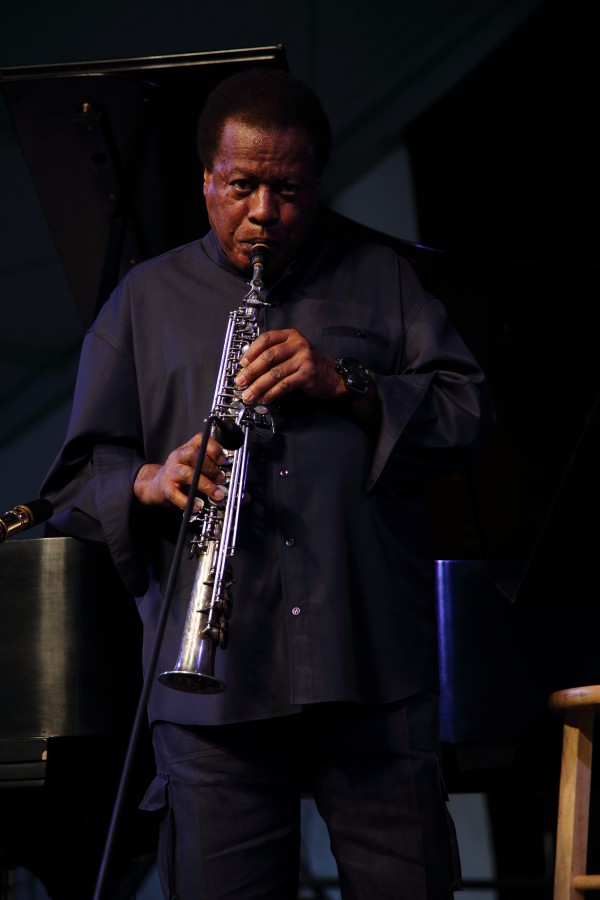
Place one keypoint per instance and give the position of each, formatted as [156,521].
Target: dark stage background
[466,131]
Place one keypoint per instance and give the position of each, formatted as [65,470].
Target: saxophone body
[206,626]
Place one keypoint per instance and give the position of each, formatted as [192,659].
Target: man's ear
[207,180]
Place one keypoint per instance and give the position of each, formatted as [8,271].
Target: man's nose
[264,207]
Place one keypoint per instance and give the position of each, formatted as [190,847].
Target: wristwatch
[356,375]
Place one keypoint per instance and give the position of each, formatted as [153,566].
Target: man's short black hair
[266,98]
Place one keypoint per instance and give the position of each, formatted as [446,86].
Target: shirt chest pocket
[370,347]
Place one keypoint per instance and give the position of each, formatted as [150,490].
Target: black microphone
[23,516]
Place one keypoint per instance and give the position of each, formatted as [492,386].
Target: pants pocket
[157,800]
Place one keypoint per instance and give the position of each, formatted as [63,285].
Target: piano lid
[111,149]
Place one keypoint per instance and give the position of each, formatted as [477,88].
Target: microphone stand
[141,712]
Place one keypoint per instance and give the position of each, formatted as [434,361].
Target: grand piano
[69,682]
[513,541]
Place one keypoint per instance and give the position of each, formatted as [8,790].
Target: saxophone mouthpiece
[259,254]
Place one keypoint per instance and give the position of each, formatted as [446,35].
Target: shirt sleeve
[90,484]
[436,409]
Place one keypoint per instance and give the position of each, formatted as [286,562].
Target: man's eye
[288,189]
[242,185]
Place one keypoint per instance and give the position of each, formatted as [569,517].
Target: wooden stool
[578,707]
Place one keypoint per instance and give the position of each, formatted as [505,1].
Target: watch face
[356,376]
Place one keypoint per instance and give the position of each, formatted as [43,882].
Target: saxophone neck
[258,257]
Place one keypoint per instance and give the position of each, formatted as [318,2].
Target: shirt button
[296,611]
[289,542]
[283,473]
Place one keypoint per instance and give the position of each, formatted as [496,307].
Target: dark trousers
[230,804]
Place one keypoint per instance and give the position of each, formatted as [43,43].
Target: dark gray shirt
[334,595]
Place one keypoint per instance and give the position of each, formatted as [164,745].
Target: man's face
[262,187]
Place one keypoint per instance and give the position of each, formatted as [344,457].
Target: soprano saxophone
[207,622]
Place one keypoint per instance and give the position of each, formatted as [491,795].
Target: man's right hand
[161,485]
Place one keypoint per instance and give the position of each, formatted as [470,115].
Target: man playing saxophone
[330,672]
